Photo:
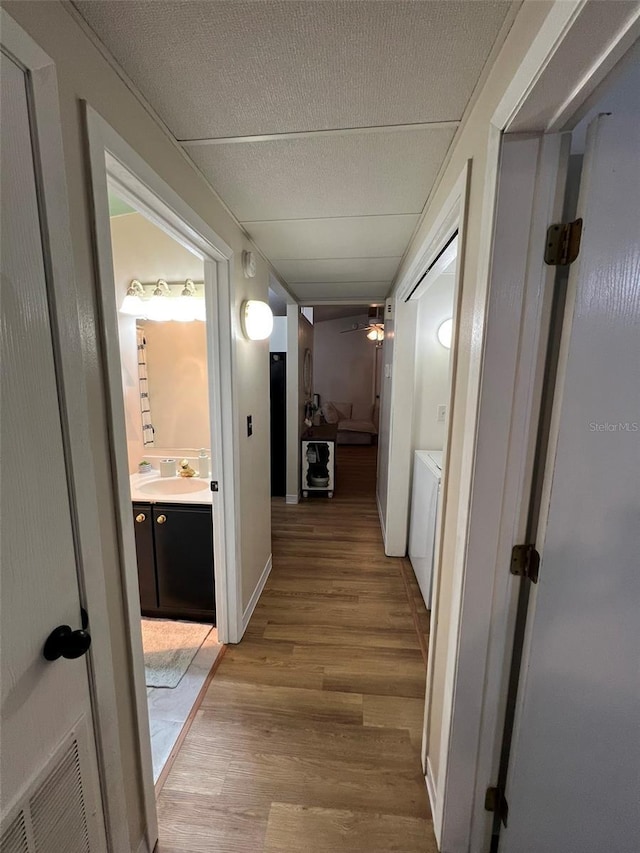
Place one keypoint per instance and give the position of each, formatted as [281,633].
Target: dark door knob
[62,642]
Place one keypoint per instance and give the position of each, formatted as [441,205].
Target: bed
[355,424]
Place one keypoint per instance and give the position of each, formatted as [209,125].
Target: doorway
[435,298]
[159,292]
[346,370]
[117,168]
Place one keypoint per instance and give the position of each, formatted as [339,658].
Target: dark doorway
[278,424]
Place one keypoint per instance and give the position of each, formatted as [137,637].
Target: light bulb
[132,303]
[183,309]
[373,335]
[159,307]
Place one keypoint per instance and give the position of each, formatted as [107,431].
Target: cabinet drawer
[184,557]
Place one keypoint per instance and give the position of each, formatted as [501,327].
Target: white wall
[84,74]
[278,339]
[432,364]
[344,364]
[471,144]
[384,426]
[299,338]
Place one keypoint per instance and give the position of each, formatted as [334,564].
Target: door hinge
[563,243]
[495,801]
[525,561]
[214,485]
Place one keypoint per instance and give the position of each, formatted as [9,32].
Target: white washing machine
[425,503]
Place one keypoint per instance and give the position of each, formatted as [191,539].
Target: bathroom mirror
[175,355]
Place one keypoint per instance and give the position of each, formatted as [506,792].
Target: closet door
[573,783]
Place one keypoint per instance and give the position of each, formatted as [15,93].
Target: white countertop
[137,483]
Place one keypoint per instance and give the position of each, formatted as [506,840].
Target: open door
[50,797]
[572,783]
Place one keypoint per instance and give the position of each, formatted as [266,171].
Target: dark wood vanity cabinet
[174,549]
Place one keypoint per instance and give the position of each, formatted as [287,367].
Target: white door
[49,798]
[574,779]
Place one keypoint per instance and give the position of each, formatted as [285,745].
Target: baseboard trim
[292,499]
[381,517]
[143,847]
[431,792]
[257,592]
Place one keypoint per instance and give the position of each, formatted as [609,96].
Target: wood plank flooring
[308,738]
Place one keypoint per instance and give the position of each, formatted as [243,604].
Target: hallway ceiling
[322,124]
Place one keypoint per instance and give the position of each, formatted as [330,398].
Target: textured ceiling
[330,175]
[237,68]
[308,91]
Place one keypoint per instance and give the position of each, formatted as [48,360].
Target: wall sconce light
[257,320]
[445,331]
[132,303]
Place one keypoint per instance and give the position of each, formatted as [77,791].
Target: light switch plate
[442,413]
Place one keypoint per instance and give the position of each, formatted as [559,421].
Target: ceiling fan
[374,328]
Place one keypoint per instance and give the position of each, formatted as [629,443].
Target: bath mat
[169,647]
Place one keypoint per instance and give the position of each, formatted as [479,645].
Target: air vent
[58,811]
[14,839]
[52,817]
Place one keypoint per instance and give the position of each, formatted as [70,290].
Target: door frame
[74,411]
[548,93]
[451,218]
[114,163]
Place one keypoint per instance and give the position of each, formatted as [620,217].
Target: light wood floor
[308,738]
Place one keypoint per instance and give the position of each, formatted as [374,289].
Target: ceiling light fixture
[445,332]
[257,319]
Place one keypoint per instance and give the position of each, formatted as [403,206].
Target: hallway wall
[471,144]
[432,364]
[84,74]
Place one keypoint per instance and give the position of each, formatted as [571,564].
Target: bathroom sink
[173,486]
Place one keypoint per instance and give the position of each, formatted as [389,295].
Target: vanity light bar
[158,302]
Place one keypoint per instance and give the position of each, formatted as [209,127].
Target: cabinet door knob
[141,517]
[161,519]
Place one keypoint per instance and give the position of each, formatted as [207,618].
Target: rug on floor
[169,647]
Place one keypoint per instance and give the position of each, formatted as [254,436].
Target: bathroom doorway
[117,169]
[159,294]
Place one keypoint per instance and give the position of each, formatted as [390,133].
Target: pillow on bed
[330,412]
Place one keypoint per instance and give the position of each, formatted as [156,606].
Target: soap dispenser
[204,470]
